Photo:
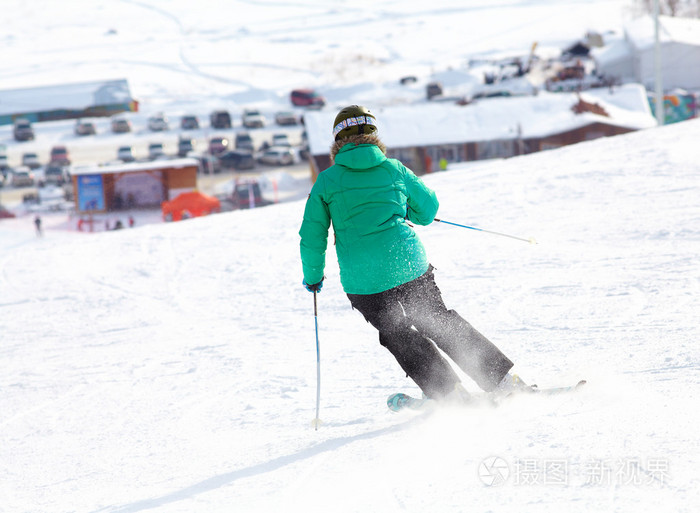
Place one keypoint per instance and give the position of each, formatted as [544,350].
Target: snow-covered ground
[172,367]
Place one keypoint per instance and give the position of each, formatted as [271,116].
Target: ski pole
[317,421]
[531,240]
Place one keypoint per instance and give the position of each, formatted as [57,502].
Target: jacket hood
[344,152]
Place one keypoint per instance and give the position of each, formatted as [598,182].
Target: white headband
[354,121]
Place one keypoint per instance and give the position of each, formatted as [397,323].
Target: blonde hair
[357,140]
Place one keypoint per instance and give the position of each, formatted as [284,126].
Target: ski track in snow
[172,368]
[193,348]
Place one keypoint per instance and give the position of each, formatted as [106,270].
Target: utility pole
[658,82]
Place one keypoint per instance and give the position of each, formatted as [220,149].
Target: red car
[5,214]
[218,145]
[307,98]
[59,155]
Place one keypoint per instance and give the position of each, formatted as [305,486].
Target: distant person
[131,221]
[37,224]
[371,200]
[118,225]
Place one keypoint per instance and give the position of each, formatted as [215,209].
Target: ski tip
[400,401]
[396,401]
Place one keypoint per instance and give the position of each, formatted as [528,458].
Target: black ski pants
[412,320]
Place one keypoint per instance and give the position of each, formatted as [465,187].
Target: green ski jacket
[368,198]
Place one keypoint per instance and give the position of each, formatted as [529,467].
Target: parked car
[22,130]
[253,119]
[158,122]
[5,214]
[433,89]
[243,141]
[121,125]
[220,119]
[55,174]
[286,118]
[237,159]
[280,140]
[155,150]
[4,165]
[22,177]
[84,128]
[189,122]
[184,146]
[218,145]
[125,154]
[208,164]
[279,156]
[246,190]
[59,155]
[307,98]
[31,160]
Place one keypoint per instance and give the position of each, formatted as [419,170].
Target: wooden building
[135,185]
[427,135]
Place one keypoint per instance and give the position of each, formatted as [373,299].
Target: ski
[558,390]
[400,401]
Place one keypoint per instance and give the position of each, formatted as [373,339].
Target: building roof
[135,167]
[527,117]
[77,96]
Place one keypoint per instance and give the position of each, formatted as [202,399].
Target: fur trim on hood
[357,140]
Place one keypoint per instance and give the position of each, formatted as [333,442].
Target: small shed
[134,185]
[631,58]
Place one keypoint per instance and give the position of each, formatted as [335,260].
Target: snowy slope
[236,52]
[171,368]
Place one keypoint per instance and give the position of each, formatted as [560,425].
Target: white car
[278,156]
[155,150]
[286,118]
[280,140]
[22,177]
[125,154]
[253,119]
[31,160]
[82,128]
[158,123]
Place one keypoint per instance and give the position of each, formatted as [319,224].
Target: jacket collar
[357,140]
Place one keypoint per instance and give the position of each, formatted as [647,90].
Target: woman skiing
[384,270]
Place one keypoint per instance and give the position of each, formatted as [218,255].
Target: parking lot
[208,184]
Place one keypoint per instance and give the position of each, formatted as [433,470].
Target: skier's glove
[316,287]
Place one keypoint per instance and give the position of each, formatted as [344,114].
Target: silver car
[278,156]
[158,123]
[22,177]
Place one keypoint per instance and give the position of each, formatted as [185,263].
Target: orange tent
[190,204]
